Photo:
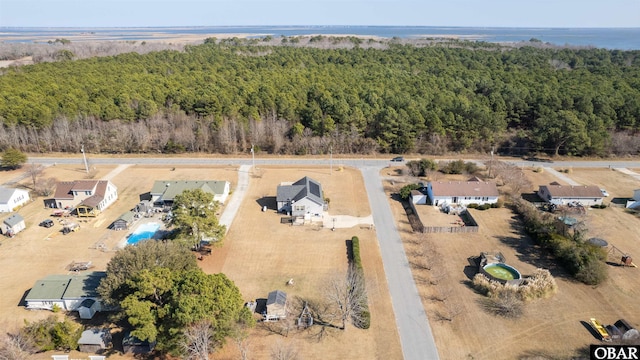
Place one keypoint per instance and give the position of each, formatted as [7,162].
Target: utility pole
[253,157]
[86,166]
[491,161]
[330,159]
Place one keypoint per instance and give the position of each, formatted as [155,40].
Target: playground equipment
[625,258]
[604,335]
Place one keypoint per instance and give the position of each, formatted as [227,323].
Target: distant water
[608,38]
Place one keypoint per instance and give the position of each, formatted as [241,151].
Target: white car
[604,192]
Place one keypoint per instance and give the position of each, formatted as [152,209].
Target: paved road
[412,323]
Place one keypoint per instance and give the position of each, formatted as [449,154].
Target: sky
[474,13]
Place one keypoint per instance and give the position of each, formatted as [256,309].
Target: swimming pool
[143,232]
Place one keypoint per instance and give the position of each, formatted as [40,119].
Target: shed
[276,305]
[133,345]
[418,197]
[124,221]
[94,340]
[88,308]
[13,225]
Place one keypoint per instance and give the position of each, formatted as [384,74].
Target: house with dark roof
[472,191]
[88,197]
[12,199]
[276,306]
[68,292]
[301,198]
[585,195]
[164,191]
[13,225]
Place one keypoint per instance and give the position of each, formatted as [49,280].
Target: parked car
[604,192]
[47,223]
[71,227]
[398,159]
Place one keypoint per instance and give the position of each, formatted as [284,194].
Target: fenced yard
[429,219]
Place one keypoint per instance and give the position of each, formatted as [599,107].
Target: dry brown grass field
[259,254]
[550,328]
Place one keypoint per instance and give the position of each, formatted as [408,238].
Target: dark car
[47,223]
[398,159]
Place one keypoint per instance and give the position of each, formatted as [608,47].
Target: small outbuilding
[94,340]
[276,306]
[133,345]
[124,221]
[88,308]
[13,225]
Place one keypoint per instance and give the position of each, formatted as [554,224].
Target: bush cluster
[582,260]
[421,167]
[364,318]
[539,285]
[459,167]
[50,334]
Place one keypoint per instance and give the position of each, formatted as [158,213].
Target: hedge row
[364,317]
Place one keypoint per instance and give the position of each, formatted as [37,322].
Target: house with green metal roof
[164,191]
[66,292]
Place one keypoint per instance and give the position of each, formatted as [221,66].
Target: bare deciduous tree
[284,351]
[512,177]
[348,295]
[198,341]
[34,171]
[15,347]
[44,187]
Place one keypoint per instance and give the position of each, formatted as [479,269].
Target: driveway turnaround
[413,326]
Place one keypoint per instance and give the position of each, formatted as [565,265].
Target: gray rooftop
[277,297]
[303,188]
[5,194]
[13,220]
[94,337]
[84,285]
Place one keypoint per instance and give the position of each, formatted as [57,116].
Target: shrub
[405,191]
[473,206]
[498,204]
[484,207]
[505,304]
[49,334]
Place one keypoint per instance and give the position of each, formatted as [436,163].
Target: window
[298,208]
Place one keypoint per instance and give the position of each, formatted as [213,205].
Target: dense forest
[223,96]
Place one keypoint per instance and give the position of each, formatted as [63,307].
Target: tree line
[223,96]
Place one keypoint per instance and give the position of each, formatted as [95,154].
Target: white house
[12,199]
[635,203]
[585,195]
[68,292]
[13,225]
[163,191]
[301,198]
[473,191]
[92,195]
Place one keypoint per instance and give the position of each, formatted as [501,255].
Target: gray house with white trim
[303,197]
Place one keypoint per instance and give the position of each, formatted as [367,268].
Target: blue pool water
[143,232]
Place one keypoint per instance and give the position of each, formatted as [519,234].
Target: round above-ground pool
[501,272]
